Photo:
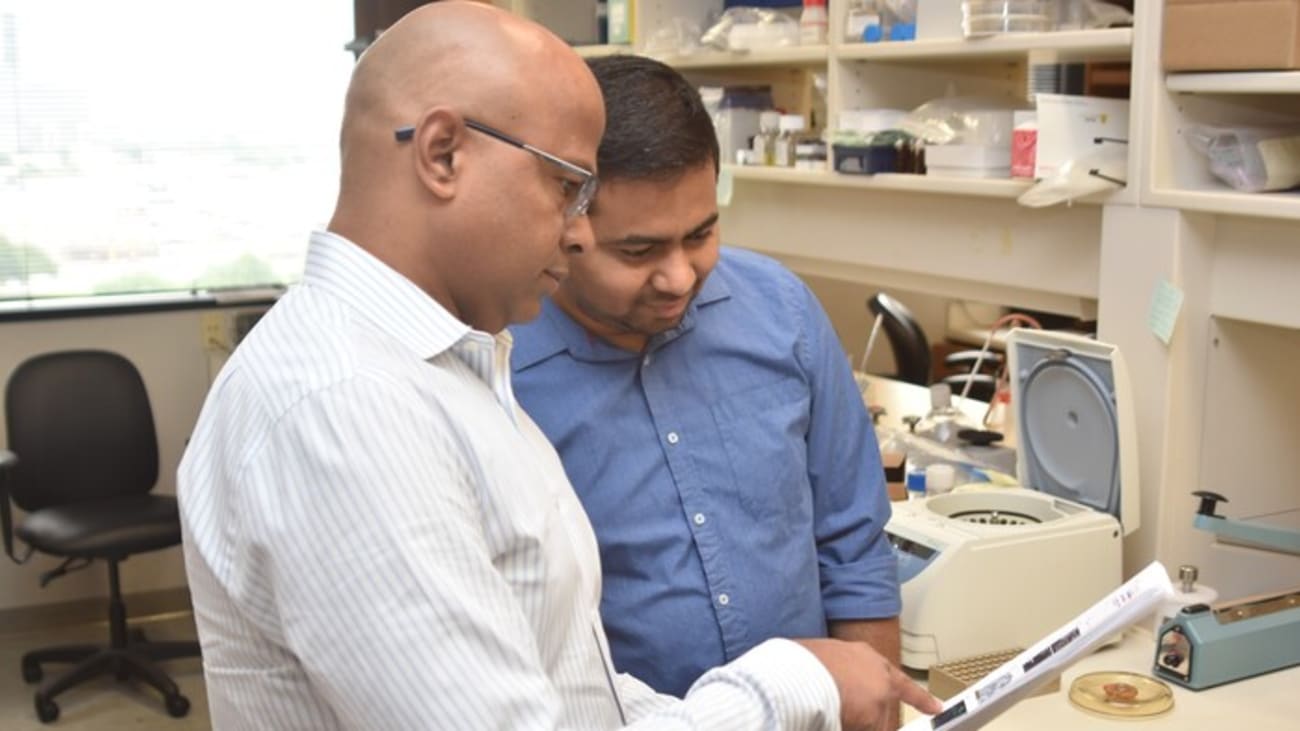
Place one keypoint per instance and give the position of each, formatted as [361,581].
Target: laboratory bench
[1268,702]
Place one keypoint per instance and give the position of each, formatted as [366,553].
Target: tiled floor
[102,703]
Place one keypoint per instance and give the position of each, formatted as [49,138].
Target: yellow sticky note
[1166,301]
[725,187]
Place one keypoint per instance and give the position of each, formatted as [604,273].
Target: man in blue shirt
[705,413]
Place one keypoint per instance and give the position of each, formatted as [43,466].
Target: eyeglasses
[577,195]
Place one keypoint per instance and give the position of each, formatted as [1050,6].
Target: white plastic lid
[1076,434]
[791,123]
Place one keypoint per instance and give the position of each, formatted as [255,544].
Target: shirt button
[724,600]
[673,438]
[699,519]
[646,361]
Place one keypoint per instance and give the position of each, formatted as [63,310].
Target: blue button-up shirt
[730,471]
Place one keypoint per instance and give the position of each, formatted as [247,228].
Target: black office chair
[981,386]
[906,338]
[912,352]
[84,460]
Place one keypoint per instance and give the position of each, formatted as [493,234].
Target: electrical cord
[1002,381]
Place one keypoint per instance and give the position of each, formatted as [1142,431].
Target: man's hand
[883,636]
[869,685]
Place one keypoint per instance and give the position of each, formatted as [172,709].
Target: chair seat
[104,528]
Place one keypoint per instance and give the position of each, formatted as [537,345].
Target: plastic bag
[1105,15]
[1100,171]
[1250,159]
[1081,14]
[678,36]
[748,28]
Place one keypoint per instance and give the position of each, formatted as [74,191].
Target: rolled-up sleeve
[859,575]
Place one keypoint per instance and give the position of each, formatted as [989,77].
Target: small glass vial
[791,127]
[764,144]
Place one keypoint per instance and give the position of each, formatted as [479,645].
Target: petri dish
[1115,694]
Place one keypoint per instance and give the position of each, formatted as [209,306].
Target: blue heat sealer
[1205,646]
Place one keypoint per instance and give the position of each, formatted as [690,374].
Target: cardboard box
[1231,35]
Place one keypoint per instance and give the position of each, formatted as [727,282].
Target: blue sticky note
[1166,301]
[724,188]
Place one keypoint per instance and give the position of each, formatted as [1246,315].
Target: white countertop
[1264,703]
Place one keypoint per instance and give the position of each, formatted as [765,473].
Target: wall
[168,350]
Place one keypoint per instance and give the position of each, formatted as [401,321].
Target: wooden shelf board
[1255,82]
[1225,201]
[883,181]
[1089,45]
[793,56]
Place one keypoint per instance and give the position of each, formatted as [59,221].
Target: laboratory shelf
[792,56]
[1233,82]
[606,50]
[1081,45]
[882,181]
[1225,201]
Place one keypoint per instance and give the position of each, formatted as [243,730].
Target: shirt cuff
[778,684]
[866,589]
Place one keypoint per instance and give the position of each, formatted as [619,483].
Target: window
[156,145]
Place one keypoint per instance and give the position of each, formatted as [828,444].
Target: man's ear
[439,137]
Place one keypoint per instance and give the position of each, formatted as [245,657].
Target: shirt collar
[393,303]
[555,332]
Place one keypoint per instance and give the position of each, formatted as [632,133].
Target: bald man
[376,536]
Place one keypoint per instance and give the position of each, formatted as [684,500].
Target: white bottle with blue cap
[915,484]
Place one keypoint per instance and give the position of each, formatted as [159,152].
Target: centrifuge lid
[1075,432]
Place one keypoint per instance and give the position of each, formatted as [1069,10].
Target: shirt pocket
[764,434]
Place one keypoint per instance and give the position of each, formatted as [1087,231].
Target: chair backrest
[82,428]
[911,349]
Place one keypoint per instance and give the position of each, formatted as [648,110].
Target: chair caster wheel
[177,705]
[46,710]
[32,672]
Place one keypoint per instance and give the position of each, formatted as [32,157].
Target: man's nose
[676,273]
[578,236]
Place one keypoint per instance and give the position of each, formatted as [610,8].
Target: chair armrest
[7,461]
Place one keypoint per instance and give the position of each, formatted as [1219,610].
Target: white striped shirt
[378,537]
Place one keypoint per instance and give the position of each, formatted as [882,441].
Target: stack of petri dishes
[989,17]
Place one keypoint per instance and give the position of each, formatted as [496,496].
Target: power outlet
[215,331]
